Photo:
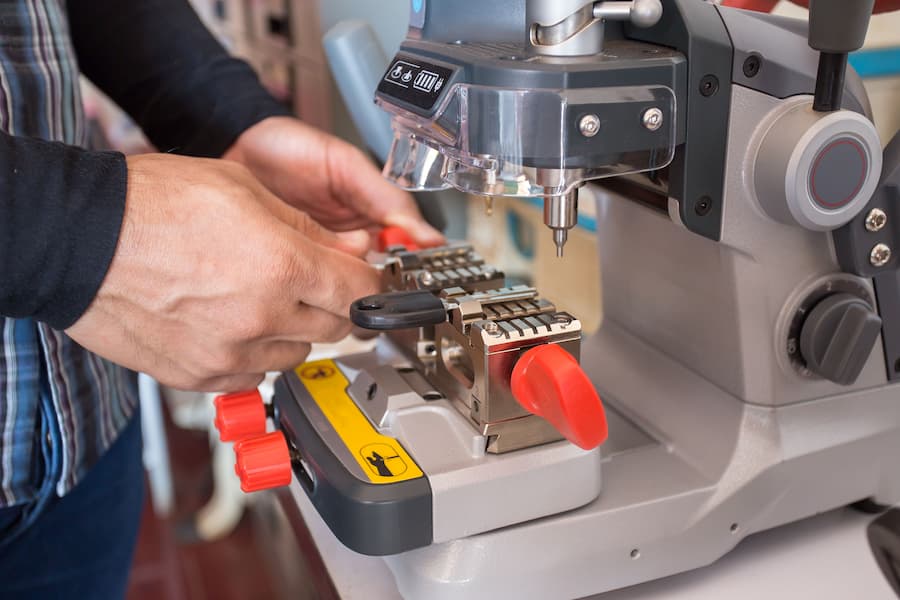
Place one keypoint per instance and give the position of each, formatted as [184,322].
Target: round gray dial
[816,170]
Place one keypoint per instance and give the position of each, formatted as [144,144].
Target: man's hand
[215,281]
[328,178]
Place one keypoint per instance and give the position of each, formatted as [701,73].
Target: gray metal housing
[713,435]
[786,68]
[714,431]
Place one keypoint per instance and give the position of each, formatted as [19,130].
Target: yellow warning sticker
[381,458]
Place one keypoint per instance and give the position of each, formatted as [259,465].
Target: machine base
[677,494]
[826,557]
[392,465]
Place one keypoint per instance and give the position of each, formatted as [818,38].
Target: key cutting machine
[749,358]
[463,405]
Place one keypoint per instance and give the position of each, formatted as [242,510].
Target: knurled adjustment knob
[547,381]
[837,337]
[240,415]
[263,462]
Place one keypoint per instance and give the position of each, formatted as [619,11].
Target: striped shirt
[61,207]
[92,400]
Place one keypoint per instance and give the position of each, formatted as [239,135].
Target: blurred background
[201,537]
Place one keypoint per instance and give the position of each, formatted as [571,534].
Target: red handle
[240,415]
[263,462]
[547,381]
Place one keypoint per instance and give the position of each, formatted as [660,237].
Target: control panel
[415,82]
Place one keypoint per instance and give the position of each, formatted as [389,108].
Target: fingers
[364,334]
[312,324]
[289,350]
[359,184]
[328,279]
[332,179]
[423,233]
[355,242]
[319,269]
[231,383]
[276,356]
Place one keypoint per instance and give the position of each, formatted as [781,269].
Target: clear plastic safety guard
[534,142]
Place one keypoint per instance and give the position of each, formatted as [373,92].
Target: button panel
[418,83]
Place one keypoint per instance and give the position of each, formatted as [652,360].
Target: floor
[168,565]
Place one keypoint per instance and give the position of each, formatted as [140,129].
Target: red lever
[263,462]
[548,382]
[396,236]
[240,415]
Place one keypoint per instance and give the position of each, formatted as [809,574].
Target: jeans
[80,546]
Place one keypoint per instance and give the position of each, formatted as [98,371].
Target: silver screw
[426,278]
[880,255]
[652,119]
[492,328]
[589,125]
[792,347]
[876,220]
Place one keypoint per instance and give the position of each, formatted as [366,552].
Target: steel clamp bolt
[880,255]
[589,125]
[652,119]
[426,278]
[876,220]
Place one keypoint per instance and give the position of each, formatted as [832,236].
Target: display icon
[425,81]
[402,73]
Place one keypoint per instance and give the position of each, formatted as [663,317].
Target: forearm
[61,209]
[158,62]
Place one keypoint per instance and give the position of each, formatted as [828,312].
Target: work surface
[826,557]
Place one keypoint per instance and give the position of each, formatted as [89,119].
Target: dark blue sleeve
[156,59]
[61,209]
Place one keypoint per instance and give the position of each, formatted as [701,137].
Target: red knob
[396,236]
[240,415]
[548,382]
[263,462]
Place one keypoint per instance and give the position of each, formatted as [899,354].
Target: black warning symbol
[383,460]
[317,372]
